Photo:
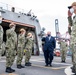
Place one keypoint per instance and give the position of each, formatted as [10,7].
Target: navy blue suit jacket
[49,44]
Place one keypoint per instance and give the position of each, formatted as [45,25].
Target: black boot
[63,61]
[8,70]
[27,64]
[22,66]
[19,66]
[50,65]
[12,70]
[73,70]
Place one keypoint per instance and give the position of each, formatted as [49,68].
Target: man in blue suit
[48,48]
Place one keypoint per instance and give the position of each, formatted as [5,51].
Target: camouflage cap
[73,4]
[22,29]
[29,34]
[12,24]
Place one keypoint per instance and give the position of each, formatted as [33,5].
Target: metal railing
[9,7]
[18,10]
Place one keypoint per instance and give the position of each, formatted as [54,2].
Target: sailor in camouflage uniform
[28,47]
[20,51]
[11,45]
[72,23]
[63,50]
[1,38]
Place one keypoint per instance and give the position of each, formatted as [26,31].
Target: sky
[46,11]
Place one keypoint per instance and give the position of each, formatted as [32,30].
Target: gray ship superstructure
[22,20]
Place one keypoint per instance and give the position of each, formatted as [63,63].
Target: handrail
[8,7]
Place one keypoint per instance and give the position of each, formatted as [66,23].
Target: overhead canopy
[18,23]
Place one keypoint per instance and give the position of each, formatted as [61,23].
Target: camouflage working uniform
[1,38]
[11,45]
[28,47]
[20,51]
[73,40]
[3,49]
[63,50]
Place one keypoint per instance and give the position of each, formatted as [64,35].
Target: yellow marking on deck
[54,68]
[9,74]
